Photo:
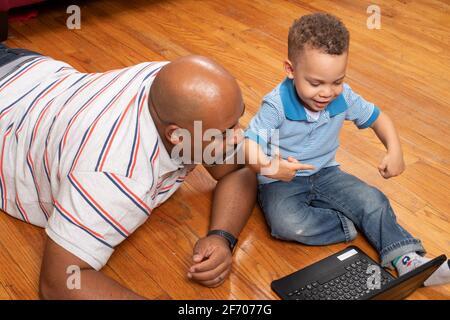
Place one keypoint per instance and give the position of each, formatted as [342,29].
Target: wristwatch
[231,239]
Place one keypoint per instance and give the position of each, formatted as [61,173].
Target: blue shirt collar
[294,109]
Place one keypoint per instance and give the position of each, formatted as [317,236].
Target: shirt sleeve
[360,111]
[95,211]
[264,123]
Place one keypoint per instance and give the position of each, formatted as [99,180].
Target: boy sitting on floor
[299,121]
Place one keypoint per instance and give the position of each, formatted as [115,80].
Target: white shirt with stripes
[80,154]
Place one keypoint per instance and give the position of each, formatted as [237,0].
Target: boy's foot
[412,260]
[440,276]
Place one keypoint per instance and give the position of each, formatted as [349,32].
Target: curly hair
[321,31]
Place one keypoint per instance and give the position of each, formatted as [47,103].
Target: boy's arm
[255,158]
[392,164]
[277,168]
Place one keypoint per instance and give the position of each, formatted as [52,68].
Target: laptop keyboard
[350,285]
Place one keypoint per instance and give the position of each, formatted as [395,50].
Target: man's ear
[289,68]
[172,134]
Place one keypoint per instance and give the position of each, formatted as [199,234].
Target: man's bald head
[196,88]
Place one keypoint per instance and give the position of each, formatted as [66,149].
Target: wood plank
[403,68]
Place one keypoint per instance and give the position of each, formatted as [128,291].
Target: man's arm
[93,284]
[233,202]
[234,198]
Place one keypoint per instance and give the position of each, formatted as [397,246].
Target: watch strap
[231,239]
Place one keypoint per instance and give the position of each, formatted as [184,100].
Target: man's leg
[8,55]
[3,25]
[290,216]
[12,59]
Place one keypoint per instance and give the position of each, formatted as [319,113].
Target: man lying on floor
[87,156]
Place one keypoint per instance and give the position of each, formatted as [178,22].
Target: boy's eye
[338,83]
[314,84]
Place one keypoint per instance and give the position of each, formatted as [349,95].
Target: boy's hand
[392,165]
[283,170]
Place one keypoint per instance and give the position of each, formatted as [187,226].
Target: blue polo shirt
[283,122]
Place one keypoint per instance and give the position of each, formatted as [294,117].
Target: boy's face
[318,77]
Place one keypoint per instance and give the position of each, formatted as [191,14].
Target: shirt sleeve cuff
[375,113]
[79,252]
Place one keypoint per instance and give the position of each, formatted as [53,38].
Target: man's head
[192,89]
[317,58]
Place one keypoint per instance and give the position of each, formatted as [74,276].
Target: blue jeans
[325,207]
[7,54]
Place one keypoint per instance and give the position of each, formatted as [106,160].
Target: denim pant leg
[369,209]
[10,54]
[291,217]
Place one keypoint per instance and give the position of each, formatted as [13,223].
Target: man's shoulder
[152,66]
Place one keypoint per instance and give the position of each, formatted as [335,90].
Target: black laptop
[351,275]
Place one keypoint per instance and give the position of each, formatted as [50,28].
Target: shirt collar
[294,109]
[166,163]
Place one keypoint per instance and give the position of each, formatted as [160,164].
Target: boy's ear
[289,68]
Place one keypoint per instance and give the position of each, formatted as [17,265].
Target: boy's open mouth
[320,103]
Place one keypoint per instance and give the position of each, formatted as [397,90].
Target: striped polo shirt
[80,154]
[282,122]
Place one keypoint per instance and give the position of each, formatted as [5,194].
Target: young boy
[299,121]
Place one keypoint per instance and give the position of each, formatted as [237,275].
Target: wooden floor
[404,67]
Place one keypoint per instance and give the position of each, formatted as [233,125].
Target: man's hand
[212,261]
[284,170]
[392,165]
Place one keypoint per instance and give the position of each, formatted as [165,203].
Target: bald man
[88,156]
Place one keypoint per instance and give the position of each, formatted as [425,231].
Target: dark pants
[8,55]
